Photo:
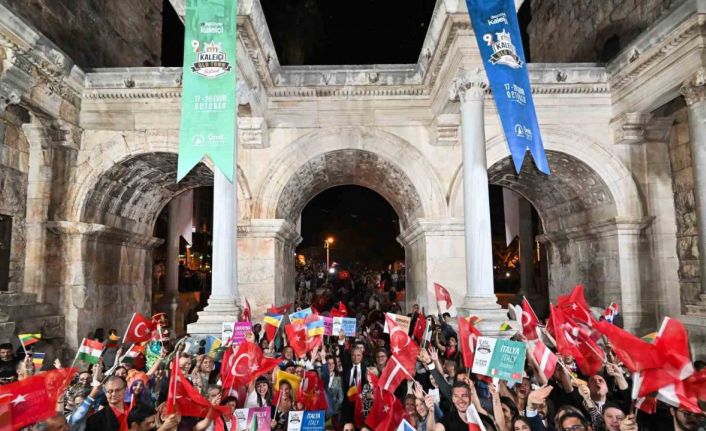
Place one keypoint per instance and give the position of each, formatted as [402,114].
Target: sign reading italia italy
[498,35]
[208,111]
[503,359]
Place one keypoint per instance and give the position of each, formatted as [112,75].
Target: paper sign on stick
[497,358]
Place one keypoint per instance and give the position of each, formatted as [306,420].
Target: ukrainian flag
[314,327]
[300,315]
[273,319]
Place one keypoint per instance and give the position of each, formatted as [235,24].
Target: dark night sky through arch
[363,223]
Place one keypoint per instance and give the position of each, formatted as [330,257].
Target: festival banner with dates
[498,35]
[209,83]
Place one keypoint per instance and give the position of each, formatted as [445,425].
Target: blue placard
[313,421]
[498,35]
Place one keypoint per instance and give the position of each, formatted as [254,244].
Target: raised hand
[434,353]
[538,397]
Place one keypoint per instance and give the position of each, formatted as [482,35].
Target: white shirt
[355,371]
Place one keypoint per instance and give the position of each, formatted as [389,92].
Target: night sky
[362,222]
[330,32]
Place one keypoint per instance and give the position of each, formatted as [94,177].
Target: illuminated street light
[327,245]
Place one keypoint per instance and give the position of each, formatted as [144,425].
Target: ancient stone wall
[588,30]
[98,33]
[14,167]
[685,209]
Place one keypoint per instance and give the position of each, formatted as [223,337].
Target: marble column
[526,248]
[469,87]
[223,304]
[694,92]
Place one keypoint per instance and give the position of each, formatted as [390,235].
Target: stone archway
[108,245]
[314,162]
[591,215]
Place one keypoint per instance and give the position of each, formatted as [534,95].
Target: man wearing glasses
[574,422]
[686,421]
[114,416]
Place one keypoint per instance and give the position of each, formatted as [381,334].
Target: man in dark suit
[354,374]
[112,417]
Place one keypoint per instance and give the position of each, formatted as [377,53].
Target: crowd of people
[132,392]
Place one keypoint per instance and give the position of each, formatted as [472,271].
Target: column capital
[468,85]
[630,127]
[694,89]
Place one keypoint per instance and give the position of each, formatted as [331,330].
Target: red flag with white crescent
[468,336]
[186,400]
[244,363]
[139,330]
[529,321]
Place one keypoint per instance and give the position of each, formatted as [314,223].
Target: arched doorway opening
[349,233]
[116,236]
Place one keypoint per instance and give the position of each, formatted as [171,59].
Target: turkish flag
[247,312]
[632,351]
[474,421]
[299,340]
[244,363]
[575,306]
[279,310]
[402,345]
[468,336]
[420,327]
[442,295]
[695,385]
[312,392]
[566,344]
[33,399]
[139,330]
[529,321]
[387,411]
[186,400]
[341,311]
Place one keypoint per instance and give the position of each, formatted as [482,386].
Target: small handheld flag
[29,339]
[38,360]
[90,351]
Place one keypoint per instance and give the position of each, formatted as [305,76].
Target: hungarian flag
[244,363]
[420,328]
[468,336]
[387,411]
[546,359]
[312,392]
[442,297]
[134,351]
[33,399]
[90,351]
[186,400]
[474,422]
[29,339]
[341,311]
[279,310]
[247,312]
[299,340]
[529,321]
[139,330]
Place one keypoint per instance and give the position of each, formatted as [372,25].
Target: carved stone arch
[351,155]
[126,186]
[577,158]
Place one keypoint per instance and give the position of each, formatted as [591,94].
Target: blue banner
[498,35]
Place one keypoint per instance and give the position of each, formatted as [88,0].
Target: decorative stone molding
[446,127]
[279,229]
[103,233]
[694,90]
[597,229]
[253,133]
[8,96]
[630,128]
[420,228]
[468,85]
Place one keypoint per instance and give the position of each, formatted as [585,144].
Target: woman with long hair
[259,393]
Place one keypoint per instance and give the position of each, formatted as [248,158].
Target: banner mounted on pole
[498,35]
[208,107]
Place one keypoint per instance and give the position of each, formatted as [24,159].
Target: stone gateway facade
[88,161]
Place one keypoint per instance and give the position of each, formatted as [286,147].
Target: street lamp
[327,245]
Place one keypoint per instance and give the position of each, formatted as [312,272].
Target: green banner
[499,358]
[208,107]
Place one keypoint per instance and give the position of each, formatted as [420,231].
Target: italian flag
[90,351]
